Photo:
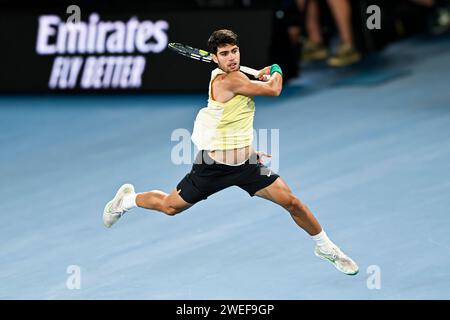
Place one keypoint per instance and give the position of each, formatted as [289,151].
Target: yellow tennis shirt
[224,126]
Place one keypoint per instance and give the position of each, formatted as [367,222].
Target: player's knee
[294,204]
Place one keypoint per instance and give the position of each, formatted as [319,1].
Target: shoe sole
[335,265]
[122,189]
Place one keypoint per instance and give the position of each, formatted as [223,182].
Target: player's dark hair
[221,38]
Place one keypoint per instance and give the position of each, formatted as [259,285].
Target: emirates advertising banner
[99,54]
[51,52]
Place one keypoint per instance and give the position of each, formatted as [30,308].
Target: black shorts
[207,177]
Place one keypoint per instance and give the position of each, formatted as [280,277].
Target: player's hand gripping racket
[205,56]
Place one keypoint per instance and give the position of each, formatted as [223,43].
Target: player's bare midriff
[232,156]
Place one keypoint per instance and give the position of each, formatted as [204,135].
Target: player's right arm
[238,83]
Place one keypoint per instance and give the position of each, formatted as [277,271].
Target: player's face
[228,57]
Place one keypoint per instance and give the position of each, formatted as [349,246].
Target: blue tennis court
[367,148]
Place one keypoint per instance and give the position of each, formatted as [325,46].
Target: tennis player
[223,132]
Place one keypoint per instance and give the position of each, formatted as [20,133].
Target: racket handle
[253,72]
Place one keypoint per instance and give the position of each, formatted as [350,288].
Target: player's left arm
[238,83]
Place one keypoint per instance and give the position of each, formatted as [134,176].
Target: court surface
[366,148]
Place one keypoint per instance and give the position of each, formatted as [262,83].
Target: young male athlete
[223,132]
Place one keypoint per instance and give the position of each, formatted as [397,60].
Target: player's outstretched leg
[170,204]
[126,199]
[280,193]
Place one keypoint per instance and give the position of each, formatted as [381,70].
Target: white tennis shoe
[339,259]
[114,209]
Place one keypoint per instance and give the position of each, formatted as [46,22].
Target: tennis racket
[205,56]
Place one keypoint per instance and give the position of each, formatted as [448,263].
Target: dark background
[262,31]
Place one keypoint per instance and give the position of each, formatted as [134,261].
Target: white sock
[322,241]
[129,201]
